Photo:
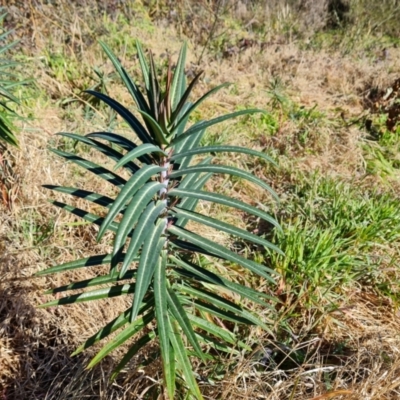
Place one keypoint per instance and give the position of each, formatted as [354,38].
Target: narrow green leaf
[191,142]
[218,312]
[193,181]
[122,337]
[100,280]
[202,274]
[154,128]
[148,259]
[222,252]
[128,191]
[83,194]
[106,150]
[183,100]
[179,79]
[87,216]
[98,294]
[223,169]
[132,121]
[225,200]
[113,326]
[126,79]
[194,106]
[213,329]
[222,149]
[206,124]
[83,262]
[143,65]
[216,344]
[133,350]
[119,140]
[154,93]
[218,301]
[183,361]
[161,303]
[131,216]
[222,226]
[185,245]
[92,167]
[181,128]
[180,315]
[146,148]
[141,231]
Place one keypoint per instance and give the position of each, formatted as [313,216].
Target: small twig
[210,35]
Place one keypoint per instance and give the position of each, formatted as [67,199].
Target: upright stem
[164,176]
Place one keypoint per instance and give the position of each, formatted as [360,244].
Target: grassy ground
[336,332]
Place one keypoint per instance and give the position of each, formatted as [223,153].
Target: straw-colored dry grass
[352,353]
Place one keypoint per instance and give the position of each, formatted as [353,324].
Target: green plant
[8,81]
[153,249]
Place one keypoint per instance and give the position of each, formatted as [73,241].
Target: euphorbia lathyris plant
[154,253]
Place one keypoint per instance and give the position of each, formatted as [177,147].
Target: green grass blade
[148,260]
[222,149]
[224,200]
[127,192]
[141,231]
[92,167]
[179,314]
[222,252]
[6,133]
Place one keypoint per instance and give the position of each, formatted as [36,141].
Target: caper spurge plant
[155,256]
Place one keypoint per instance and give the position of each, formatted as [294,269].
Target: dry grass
[35,344]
